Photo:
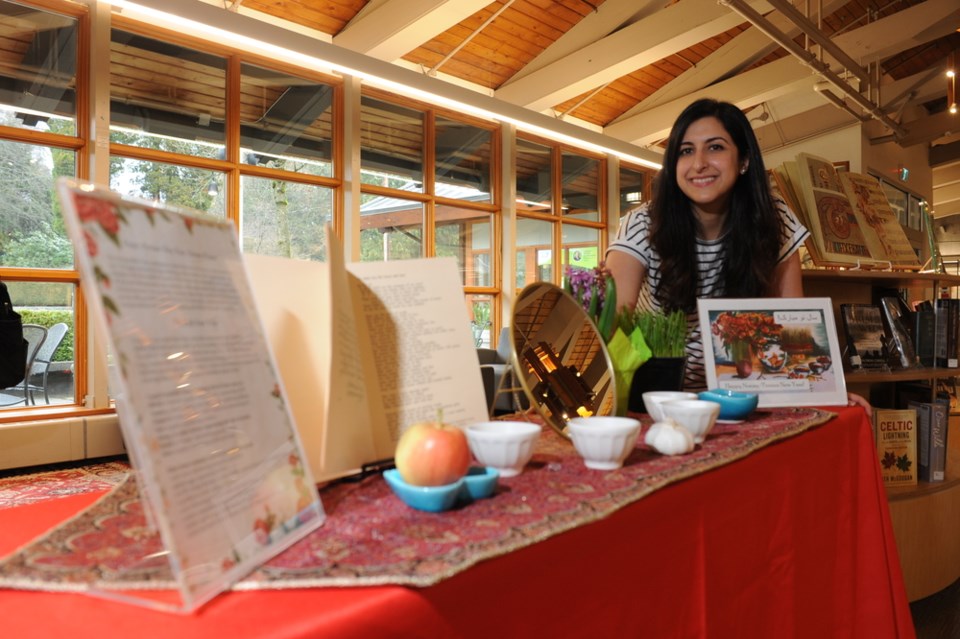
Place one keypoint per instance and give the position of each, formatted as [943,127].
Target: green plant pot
[657,373]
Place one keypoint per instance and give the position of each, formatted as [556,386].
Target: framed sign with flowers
[784,349]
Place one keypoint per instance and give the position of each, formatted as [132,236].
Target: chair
[497,375]
[35,336]
[43,359]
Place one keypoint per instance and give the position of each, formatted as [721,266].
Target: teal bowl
[735,406]
[480,482]
[432,499]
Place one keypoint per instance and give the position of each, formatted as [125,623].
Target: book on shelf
[932,421]
[899,340]
[849,217]
[865,337]
[924,333]
[372,349]
[946,337]
[896,438]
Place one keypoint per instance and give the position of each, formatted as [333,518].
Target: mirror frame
[559,357]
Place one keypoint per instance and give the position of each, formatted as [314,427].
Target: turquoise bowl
[480,482]
[735,406]
[432,499]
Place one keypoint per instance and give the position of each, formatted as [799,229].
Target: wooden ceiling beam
[666,32]
[747,48]
[396,27]
[767,82]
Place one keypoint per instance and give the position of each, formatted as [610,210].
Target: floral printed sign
[201,406]
[782,349]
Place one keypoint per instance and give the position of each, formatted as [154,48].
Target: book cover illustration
[833,222]
[899,339]
[866,343]
[896,431]
[879,224]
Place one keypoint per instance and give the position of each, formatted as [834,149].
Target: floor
[938,616]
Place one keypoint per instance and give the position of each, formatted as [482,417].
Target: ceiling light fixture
[212,23]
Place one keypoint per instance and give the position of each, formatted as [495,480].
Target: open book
[850,220]
[367,349]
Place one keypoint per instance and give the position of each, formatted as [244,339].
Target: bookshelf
[926,517]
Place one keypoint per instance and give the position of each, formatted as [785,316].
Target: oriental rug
[23,489]
[370,537]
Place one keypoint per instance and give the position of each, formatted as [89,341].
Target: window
[570,226]
[39,142]
[416,204]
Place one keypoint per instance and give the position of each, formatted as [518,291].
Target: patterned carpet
[21,488]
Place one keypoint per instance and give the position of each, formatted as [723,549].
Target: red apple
[432,454]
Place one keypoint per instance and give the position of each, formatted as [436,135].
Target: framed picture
[784,349]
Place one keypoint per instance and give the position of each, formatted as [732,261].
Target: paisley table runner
[371,537]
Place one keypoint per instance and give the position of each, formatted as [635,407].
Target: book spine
[924,335]
[939,420]
[923,438]
[953,333]
[941,312]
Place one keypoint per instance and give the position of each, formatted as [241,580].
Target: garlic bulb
[669,438]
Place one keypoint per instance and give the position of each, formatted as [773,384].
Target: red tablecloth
[793,541]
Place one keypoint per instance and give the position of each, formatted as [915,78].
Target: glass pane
[285,219]
[38,76]
[581,183]
[534,185]
[463,161]
[286,122]
[165,96]
[173,184]
[632,184]
[50,305]
[468,236]
[390,229]
[898,201]
[480,309]
[581,246]
[31,227]
[391,145]
[534,251]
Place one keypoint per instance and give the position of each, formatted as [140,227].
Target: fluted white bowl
[604,442]
[504,445]
[696,415]
[652,401]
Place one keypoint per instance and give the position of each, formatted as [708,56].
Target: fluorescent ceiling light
[242,32]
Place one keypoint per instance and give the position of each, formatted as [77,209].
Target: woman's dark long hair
[751,238]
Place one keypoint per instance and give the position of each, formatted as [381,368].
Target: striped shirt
[633,238]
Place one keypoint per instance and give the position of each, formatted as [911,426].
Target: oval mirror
[559,357]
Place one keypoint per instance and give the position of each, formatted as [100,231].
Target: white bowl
[504,445]
[652,401]
[696,415]
[604,441]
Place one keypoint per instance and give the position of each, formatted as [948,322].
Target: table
[792,541]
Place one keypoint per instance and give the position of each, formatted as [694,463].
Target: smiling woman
[713,225]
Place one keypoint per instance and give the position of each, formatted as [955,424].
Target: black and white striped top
[633,238]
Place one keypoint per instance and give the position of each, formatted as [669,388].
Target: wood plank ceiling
[627,67]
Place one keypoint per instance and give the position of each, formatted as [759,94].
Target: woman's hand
[856,400]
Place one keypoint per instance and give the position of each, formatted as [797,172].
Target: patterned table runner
[371,537]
